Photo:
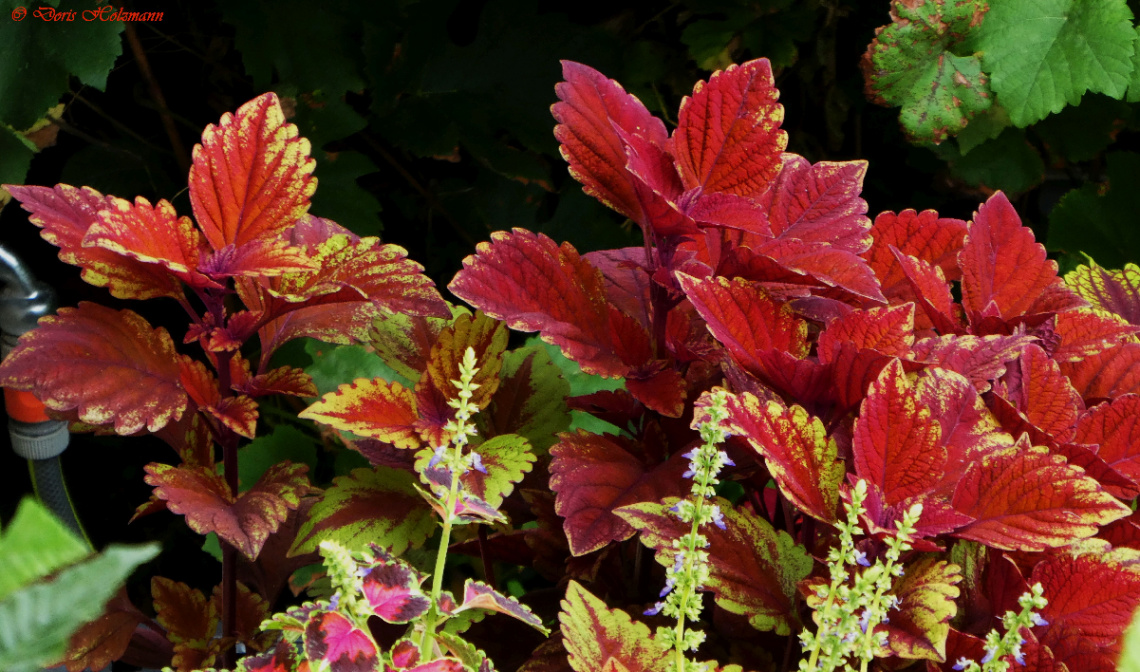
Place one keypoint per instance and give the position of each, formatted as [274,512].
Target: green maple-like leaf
[911,64]
[1044,54]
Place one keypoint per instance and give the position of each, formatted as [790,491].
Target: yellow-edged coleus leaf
[753,568]
[530,401]
[372,408]
[1117,292]
[926,592]
[251,180]
[435,391]
[505,459]
[404,341]
[239,413]
[378,506]
[245,520]
[109,366]
[598,638]
[64,214]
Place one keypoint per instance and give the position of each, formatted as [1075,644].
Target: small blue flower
[676,508]
[655,609]
[865,620]
[477,463]
[1037,620]
[962,663]
[726,460]
[1019,656]
[718,518]
[335,601]
[437,456]
[861,559]
[688,474]
[989,655]
[689,455]
[669,583]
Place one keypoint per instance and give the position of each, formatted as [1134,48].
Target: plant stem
[688,588]
[440,564]
[156,93]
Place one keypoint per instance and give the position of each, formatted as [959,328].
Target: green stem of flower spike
[689,587]
[457,465]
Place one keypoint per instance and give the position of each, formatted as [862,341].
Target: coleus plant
[943,362]
[252,263]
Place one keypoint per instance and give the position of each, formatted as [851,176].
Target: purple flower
[865,620]
[669,583]
[718,518]
[335,601]
[861,559]
[437,456]
[655,609]
[989,655]
[689,455]
[1019,656]
[962,663]
[477,463]
[726,460]
[1037,620]
[688,473]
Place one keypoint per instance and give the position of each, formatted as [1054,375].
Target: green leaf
[1008,163]
[580,384]
[1044,54]
[36,622]
[1130,656]
[1133,93]
[34,545]
[334,365]
[15,158]
[38,57]
[1083,132]
[378,505]
[341,198]
[530,401]
[1100,220]
[985,126]
[911,63]
[284,443]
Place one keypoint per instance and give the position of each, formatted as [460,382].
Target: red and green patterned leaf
[64,214]
[435,390]
[926,592]
[282,380]
[889,330]
[245,521]
[1084,333]
[1114,428]
[744,319]
[591,108]
[1042,395]
[530,401]
[378,505]
[478,595]
[933,239]
[819,203]
[507,458]
[1115,291]
[753,568]
[252,177]
[529,282]
[392,590]
[1025,498]
[404,341]
[1106,375]
[152,235]
[189,618]
[110,366]
[332,639]
[600,639]
[252,609]
[106,638]
[592,475]
[372,408]
[238,413]
[796,449]
[981,359]
[728,136]
[1092,591]
[1004,269]
[897,443]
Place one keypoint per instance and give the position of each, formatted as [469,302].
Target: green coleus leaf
[926,593]
[1098,220]
[600,639]
[530,401]
[507,458]
[1044,54]
[911,63]
[378,505]
[753,568]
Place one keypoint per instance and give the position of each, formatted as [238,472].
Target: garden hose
[35,437]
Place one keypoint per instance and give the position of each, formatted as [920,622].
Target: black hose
[47,479]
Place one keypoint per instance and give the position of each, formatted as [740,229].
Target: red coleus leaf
[600,639]
[532,284]
[753,568]
[65,214]
[251,179]
[281,659]
[478,595]
[1035,386]
[332,639]
[371,408]
[246,520]
[110,366]
[744,319]
[923,235]
[1025,498]
[1114,291]
[106,638]
[1084,333]
[594,474]
[1114,429]
[596,120]
[796,450]
[404,341]
[184,611]
[926,593]
[153,235]
[981,359]
[728,136]
[1106,375]
[237,413]
[886,330]
[392,590]
[435,389]
[282,380]
[819,203]
[1092,591]
[252,609]
[832,266]
[897,443]
[929,289]
[1004,269]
